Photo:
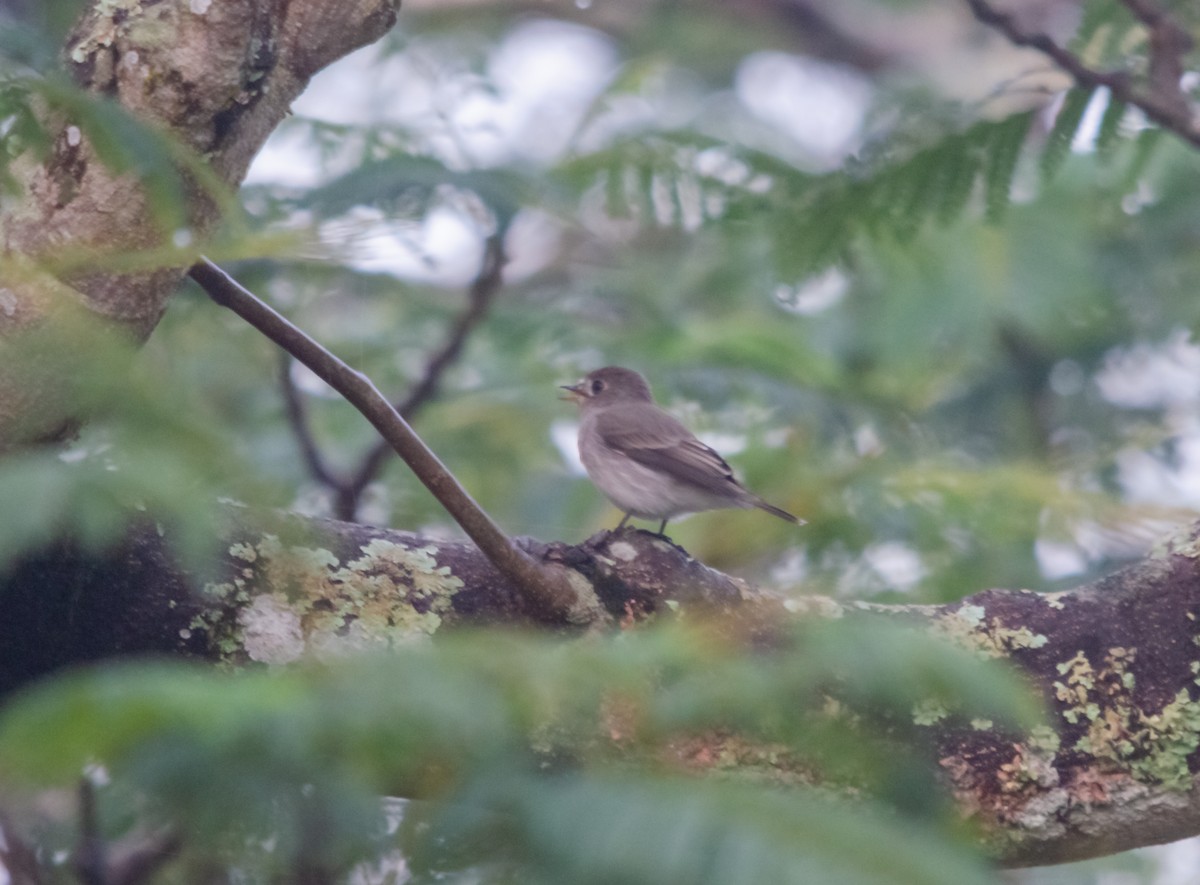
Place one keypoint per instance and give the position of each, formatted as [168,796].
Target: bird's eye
[597,386]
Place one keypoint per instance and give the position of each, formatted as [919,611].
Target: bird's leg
[621,524]
[662,529]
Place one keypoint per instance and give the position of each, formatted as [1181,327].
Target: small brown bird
[645,461]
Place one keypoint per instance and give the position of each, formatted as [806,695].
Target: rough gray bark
[1117,661]
[217,77]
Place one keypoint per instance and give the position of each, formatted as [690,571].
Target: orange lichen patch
[621,718]
[725,751]
[1089,786]
[996,782]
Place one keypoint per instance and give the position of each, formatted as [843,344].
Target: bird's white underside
[642,492]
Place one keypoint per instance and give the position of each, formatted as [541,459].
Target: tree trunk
[216,78]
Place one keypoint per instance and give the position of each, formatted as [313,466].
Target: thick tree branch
[1165,104]
[546,587]
[1116,661]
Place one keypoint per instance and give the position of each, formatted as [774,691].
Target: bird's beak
[574,393]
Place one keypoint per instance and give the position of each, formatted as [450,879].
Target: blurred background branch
[347,490]
[1163,101]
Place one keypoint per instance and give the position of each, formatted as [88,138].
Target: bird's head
[607,386]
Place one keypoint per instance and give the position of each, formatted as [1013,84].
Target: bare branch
[297,415]
[544,586]
[479,298]
[17,857]
[348,490]
[1164,109]
[90,863]
[1169,42]
[137,858]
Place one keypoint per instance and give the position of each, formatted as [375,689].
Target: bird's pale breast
[640,490]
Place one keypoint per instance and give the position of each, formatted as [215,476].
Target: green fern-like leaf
[813,220]
[823,232]
[962,160]
[1066,124]
[645,192]
[1147,144]
[1101,26]
[1003,151]
[922,188]
[1110,127]
[896,199]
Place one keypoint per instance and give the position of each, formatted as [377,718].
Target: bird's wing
[650,436]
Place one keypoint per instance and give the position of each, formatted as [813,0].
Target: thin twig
[348,488]
[479,298]
[137,858]
[90,863]
[297,415]
[17,857]
[1163,110]
[548,592]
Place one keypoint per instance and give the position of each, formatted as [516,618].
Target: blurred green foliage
[533,760]
[907,350]
[148,449]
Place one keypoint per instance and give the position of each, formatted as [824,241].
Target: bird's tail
[776,511]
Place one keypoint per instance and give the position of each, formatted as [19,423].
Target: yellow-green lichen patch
[1032,795]
[110,19]
[815,606]
[929,712]
[389,594]
[972,615]
[1045,739]
[1056,601]
[1182,544]
[1030,767]
[587,609]
[292,600]
[1073,690]
[1169,737]
[219,620]
[969,626]
[243,551]
[1152,747]
[1010,639]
